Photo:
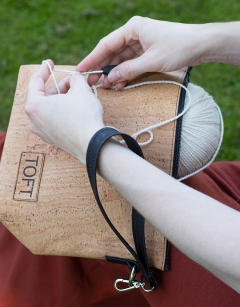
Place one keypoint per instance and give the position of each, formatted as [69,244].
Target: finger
[36,85]
[63,86]
[132,68]
[121,85]
[115,61]
[128,53]
[125,53]
[120,45]
[78,84]
[106,83]
[112,59]
[106,61]
[109,46]
[93,79]
[103,52]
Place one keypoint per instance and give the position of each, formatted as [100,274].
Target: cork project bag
[46,199]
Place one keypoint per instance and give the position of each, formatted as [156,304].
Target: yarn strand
[188,103]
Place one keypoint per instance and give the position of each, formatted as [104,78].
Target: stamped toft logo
[29,176]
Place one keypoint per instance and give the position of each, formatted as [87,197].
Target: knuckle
[122,58]
[78,82]
[135,19]
[104,42]
[128,70]
[29,108]
[32,128]
[32,80]
[101,40]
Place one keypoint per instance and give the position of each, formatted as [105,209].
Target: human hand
[66,120]
[145,45]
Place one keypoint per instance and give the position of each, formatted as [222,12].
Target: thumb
[130,69]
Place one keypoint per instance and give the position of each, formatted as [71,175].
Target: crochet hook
[105,71]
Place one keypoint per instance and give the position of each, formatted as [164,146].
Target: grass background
[66,31]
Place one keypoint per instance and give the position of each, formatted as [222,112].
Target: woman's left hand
[67,120]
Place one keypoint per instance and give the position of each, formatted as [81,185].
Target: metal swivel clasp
[132,284]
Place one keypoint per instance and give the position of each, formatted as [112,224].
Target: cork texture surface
[61,216]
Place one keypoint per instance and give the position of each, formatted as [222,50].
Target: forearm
[199,226]
[221,42]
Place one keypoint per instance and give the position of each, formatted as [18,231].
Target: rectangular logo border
[39,178]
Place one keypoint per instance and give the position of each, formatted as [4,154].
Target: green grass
[66,31]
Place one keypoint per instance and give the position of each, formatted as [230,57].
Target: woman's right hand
[145,45]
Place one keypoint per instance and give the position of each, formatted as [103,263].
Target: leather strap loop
[129,262]
[93,150]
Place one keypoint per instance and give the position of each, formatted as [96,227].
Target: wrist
[221,42]
[83,144]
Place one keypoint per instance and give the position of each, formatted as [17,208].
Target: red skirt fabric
[27,280]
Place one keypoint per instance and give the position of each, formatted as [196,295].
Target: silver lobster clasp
[134,285]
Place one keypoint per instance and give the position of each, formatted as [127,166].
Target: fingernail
[114,76]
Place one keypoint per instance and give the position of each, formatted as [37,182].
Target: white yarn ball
[202,131]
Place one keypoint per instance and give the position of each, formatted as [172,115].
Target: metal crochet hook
[105,71]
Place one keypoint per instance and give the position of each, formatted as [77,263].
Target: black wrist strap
[140,256]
